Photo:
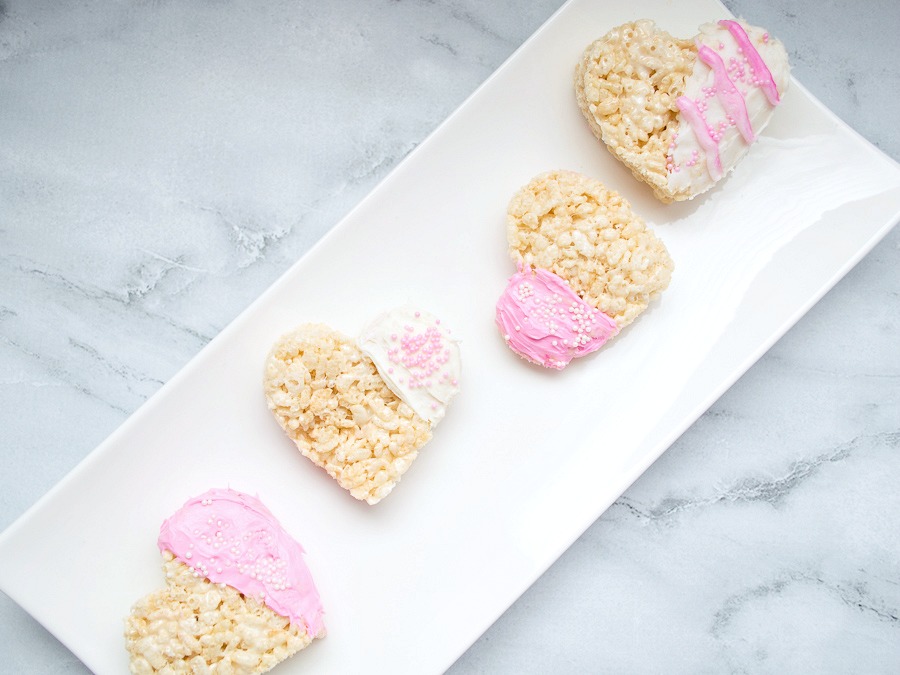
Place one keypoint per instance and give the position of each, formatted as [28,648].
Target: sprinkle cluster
[548,312]
[422,354]
[417,359]
[252,554]
[736,68]
[584,321]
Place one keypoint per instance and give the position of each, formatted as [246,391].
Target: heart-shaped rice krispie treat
[588,266]
[239,598]
[681,113]
[361,409]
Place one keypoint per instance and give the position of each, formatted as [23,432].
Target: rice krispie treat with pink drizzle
[362,409]
[681,113]
[239,598]
[588,266]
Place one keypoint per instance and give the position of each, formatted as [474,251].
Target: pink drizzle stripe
[727,93]
[710,148]
[760,70]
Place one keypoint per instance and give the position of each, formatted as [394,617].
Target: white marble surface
[149,155]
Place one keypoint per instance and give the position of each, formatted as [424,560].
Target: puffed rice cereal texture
[198,627]
[329,398]
[626,84]
[578,229]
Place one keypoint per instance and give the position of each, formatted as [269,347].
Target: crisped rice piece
[329,398]
[575,227]
[195,626]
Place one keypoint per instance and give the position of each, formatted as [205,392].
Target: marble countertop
[767,539]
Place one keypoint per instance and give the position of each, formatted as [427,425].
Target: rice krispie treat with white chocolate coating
[681,113]
[239,598]
[608,266]
[362,411]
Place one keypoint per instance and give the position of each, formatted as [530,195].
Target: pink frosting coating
[231,538]
[544,321]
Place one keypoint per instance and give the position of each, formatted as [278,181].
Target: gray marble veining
[149,180]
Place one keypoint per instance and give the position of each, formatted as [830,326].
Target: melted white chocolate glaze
[417,359]
[728,99]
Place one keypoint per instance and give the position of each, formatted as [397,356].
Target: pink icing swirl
[544,321]
[231,538]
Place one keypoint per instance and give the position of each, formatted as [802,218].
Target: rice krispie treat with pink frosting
[239,598]
[681,113]
[588,266]
[361,409]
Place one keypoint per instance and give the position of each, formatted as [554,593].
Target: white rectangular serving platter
[526,459]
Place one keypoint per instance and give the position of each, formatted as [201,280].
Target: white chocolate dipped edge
[728,100]
[417,359]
